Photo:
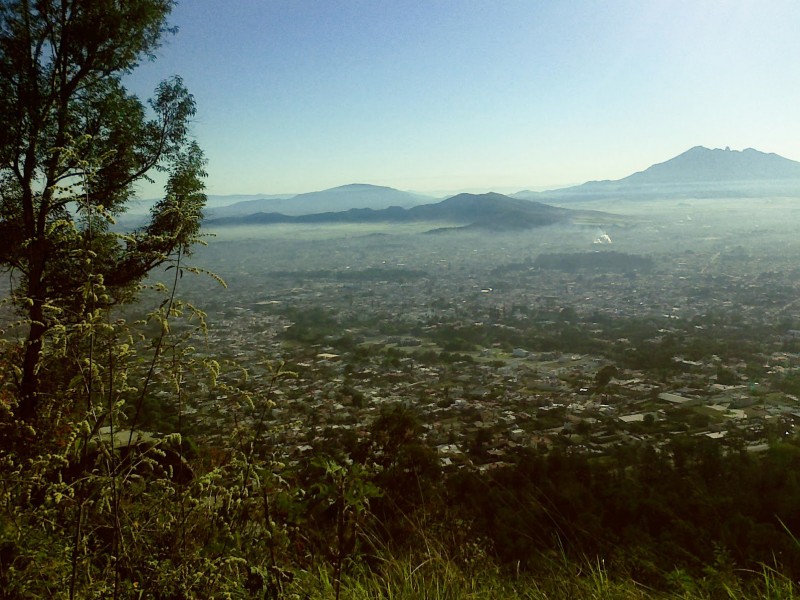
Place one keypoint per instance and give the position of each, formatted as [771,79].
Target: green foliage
[605,375]
[85,514]
[437,575]
[90,513]
[95,503]
[73,146]
[347,489]
[311,325]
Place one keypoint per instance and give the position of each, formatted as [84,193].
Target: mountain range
[697,173]
[345,197]
[465,211]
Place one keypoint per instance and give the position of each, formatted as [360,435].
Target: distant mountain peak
[699,172]
[356,187]
[701,164]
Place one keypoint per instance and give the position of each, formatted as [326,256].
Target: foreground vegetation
[402,580]
[96,501]
[90,509]
[88,515]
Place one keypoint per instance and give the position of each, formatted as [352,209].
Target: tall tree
[73,144]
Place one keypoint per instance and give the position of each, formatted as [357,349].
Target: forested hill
[483,211]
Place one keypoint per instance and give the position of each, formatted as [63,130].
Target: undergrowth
[437,578]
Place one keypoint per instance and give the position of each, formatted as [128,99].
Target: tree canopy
[73,145]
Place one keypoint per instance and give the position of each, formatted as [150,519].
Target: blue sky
[433,96]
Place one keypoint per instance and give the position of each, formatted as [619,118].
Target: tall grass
[446,564]
[438,578]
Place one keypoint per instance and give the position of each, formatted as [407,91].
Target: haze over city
[444,97]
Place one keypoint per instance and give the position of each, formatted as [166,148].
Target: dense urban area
[580,339]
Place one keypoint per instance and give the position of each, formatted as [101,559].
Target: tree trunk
[29,385]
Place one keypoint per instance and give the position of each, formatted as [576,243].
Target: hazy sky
[297,96]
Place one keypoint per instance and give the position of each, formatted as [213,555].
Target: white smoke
[602,237]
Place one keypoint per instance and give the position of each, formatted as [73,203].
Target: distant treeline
[692,506]
[605,261]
